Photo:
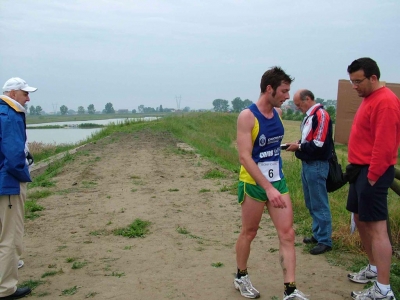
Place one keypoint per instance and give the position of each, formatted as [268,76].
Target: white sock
[373,268]
[384,288]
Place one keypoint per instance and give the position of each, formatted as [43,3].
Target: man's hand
[371,182]
[275,198]
[293,147]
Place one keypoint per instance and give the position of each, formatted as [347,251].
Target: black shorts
[370,202]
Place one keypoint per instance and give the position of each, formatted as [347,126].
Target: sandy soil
[127,176]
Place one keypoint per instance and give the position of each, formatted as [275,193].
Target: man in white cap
[14,175]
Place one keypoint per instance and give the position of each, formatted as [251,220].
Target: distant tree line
[289,114]
[108,109]
[222,105]
[290,111]
[143,109]
[35,110]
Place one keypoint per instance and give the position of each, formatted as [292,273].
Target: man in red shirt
[373,144]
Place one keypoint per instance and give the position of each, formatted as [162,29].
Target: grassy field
[214,135]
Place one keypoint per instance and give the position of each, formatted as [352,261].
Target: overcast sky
[149,52]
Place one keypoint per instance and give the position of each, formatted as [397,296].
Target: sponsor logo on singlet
[262,140]
[267,154]
[275,139]
[270,153]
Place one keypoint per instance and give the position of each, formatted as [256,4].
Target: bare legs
[283,220]
[376,242]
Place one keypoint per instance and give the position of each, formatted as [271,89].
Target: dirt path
[127,176]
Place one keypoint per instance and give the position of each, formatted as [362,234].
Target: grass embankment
[214,135]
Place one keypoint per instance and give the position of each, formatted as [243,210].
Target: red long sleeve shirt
[375,133]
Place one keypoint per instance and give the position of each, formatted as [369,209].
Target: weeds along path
[189,251]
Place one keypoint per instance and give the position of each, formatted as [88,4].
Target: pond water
[69,135]
[59,136]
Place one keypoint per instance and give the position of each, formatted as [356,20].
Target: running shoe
[243,284]
[372,293]
[296,295]
[364,276]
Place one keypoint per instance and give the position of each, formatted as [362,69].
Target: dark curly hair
[274,77]
[368,65]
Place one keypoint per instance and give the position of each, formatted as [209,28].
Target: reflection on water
[59,136]
[100,122]
[69,135]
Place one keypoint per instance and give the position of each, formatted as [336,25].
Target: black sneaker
[319,249]
[310,240]
[19,293]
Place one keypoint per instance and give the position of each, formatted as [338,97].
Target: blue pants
[313,176]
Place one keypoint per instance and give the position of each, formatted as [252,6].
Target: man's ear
[373,78]
[269,89]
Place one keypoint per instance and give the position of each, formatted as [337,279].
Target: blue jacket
[13,167]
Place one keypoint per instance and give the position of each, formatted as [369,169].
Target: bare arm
[245,146]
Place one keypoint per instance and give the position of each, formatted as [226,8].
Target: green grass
[52,273]
[137,228]
[42,151]
[213,135]
[88,184]
[217,265]
[90,294]
[31,283]
[70,259]
[117,274]
[214,174]
[78,265]
[53,169]
[47,127]
[31,207]
[59,248]
[70,291]
[98,232]
[36,195]
[182,230]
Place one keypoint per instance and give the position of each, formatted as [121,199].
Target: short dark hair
[306,93]
[274,77]
[368,65]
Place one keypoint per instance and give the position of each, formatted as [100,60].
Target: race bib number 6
[270,170]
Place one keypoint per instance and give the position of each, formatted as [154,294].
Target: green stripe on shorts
[257,192]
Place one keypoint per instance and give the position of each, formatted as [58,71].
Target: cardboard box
[347,105]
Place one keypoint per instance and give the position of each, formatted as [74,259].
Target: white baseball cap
[16,84]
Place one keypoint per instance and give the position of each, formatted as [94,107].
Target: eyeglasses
[357,82]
